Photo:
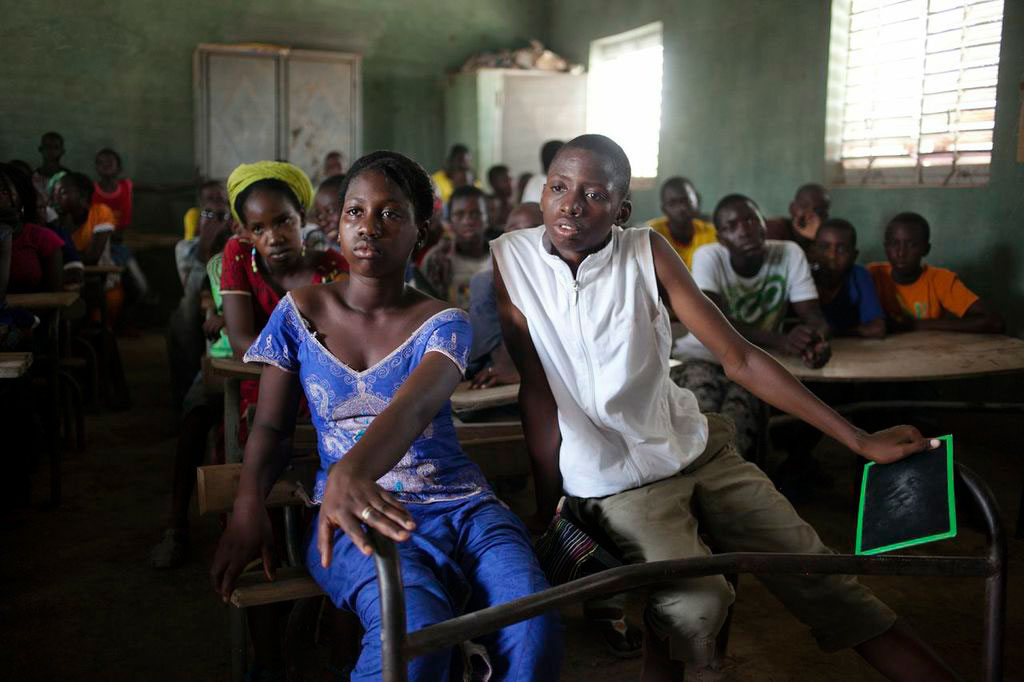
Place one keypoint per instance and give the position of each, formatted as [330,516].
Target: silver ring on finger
[365,514]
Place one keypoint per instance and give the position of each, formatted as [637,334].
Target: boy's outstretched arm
[978,319]
[536,405]
[759,373]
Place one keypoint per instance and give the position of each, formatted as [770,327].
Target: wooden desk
[51,304]
[915,356]
[149,240]
[233,372]
[43,300]
[14,365]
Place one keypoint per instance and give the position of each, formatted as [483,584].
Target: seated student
[847,294]
[917,296]
[185,338]
[334,164]
[200,410]
[36,262]
[532,190]
[457,172]
[390,458]
[807,211]
[113,190]
[211,194]
[499,202]
[51,149]
[489,361]
[327,209]
[90,226]
[682,225]
[604,423]
[450,265]
[116,192]
[269,200]
[752,280]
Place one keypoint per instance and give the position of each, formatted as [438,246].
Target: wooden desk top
[915,356]
[14,365]
[466,399]
[43,300]
[150,240]
[229,368]
[103,269]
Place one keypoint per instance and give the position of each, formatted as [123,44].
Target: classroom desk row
[50,306]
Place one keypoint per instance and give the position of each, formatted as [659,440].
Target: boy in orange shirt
[682,224]
[917,296]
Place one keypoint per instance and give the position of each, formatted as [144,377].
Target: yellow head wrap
[248,173]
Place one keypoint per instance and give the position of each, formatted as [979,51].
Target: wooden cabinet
[505,115]
[258,102]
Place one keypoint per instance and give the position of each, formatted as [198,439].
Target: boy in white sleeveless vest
[582,306]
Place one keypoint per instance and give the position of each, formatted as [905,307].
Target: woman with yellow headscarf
[269,199]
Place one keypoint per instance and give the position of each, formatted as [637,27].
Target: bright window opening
[912,91]
[624,94]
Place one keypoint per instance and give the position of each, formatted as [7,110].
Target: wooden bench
[217,485]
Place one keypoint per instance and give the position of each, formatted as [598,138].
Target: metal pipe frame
[398,647]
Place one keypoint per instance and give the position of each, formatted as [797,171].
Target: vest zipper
[583,346]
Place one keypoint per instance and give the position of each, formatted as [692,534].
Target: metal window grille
[633,57]
[916,89]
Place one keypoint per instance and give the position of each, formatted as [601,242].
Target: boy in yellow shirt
[681,225]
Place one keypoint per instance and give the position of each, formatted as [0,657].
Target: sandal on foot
[622,639]
[170,552]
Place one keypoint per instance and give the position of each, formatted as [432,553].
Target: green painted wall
[119,72]
[744,110]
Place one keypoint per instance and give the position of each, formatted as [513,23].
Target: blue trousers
[463,556]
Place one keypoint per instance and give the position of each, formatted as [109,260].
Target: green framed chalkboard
[909,502]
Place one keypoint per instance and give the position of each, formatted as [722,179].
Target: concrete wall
[119,72]
[744,110]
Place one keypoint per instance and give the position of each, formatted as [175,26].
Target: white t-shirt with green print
[761,300]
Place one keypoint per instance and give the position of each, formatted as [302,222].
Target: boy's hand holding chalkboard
[893,444]
[908,502]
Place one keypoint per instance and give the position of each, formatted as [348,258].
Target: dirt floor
[80,601]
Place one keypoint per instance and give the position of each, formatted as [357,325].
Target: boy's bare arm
[759,373]
[978,319]
[536,405]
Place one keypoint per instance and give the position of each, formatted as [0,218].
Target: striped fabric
[567,552]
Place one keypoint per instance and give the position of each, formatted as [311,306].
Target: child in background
[582,305]
[200,409]
[847,294]
[334,164]
[682,225]
[499,203]
[752,280]
[389,455]
[489,361]
[532,190]
[327,209]
[212,195]
[112,190]
[91,227]
[450,265]
[917,296]
[807,211]
[36,262]
[51,149]
[457,172]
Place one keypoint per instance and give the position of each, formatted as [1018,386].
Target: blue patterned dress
[468,550]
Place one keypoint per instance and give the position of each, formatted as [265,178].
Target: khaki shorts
[739,510]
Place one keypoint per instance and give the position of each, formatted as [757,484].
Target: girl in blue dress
[378,361]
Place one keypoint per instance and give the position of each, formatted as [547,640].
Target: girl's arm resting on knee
[266,453]
[759,373]
[536,405]
[352,497]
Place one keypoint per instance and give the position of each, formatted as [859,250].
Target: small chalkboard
[908,502]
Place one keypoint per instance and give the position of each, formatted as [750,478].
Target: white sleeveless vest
[604,341]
